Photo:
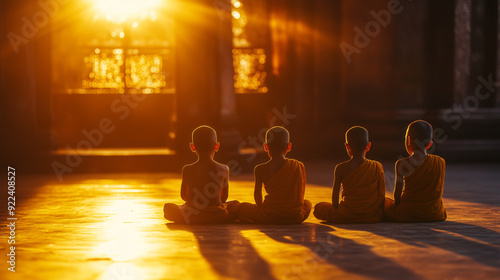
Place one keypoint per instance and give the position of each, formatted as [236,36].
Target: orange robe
[363,192]
[284,202]
[188,213]
[421,200]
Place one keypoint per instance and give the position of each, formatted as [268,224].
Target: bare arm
[337,178]
[398,185]
[224,193]
[257,193]
[184,186]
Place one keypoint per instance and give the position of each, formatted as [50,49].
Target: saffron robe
[363,193]
[421,200]
[284,202]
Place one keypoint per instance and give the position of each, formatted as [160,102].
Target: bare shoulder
[187,168]
[187,171]
[402,166]
[222,167]
[259,168]
[341,169]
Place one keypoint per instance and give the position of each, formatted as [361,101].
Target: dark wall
[136,121]
[389,63]
[25,119]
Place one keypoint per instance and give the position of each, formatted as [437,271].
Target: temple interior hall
[99,99]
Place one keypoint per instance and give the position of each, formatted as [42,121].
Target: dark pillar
[484,48]
[462,49]
[204,86]
[409,78]
[227,113]
[440,55]
[24,82]
[497,96]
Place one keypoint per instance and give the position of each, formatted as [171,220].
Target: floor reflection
[109,227]
[228,252]
[123,271]
[122,231]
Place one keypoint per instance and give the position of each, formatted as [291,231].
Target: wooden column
[24,81]
[227,115]
[497,101]
[204,71]
[462,49]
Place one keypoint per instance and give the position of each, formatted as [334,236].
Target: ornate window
[249,52]
[116,46]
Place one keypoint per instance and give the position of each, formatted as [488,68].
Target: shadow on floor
[455,237]
[343,253]
[228,252]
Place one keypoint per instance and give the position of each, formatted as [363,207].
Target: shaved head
[357,138]
[204,138]
[420,131]
[277,138]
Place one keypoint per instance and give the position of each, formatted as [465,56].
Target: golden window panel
[249,70]
[249,57]
[144,70]
[113,46]
[103,69]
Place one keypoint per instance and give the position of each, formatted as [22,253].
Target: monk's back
[363,192]
[425,183]
[421,200]
[205,180]
[364,182]
[285,189]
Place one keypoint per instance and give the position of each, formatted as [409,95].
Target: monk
[363,185]
[204,185]
[419,181]
[284,180]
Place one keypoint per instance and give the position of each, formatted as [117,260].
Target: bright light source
[236,14]
[123,239]
[121,10]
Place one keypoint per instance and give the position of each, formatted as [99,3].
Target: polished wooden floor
[110,226]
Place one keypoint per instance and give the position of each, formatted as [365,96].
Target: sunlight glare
[236,14]
[123,232]
[121,10]
[123,271]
